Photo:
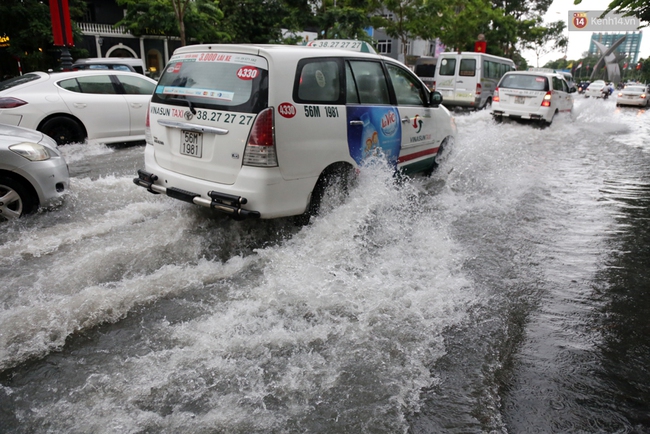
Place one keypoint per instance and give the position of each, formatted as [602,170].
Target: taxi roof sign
[345,44]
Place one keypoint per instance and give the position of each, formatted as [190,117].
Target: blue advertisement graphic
[380,131]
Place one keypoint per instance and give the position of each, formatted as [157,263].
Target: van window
[370,82]
[215,81]
[408,89]
[447,67]
[467,68]
[319,81]
[525,81]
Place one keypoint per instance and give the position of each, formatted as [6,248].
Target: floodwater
[508,293]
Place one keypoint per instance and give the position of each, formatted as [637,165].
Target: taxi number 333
[314,111]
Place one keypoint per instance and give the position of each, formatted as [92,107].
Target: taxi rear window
[527,81]
[219,81]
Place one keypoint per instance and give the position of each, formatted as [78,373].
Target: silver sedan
[33,173]
[636,95]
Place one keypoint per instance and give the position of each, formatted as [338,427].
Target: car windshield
[525,81]
[234,82]
[597,83]
[16,81]
[635,89]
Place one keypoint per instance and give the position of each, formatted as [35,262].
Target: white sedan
[636,95]
[101,106]
[33,173]
[598,89]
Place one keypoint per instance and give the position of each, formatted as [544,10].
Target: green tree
[28,25]
[406,19]
[197,20]
[630,8]
[545,40]
[253,21]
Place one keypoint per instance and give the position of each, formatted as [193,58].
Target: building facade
[629,47]
[102,39]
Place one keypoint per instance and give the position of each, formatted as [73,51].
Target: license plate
[520,100]
[191,143]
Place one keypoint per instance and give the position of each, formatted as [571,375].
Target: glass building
[629,47]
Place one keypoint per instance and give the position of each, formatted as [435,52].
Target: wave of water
[400,308]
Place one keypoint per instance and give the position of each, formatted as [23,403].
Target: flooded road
[509,292]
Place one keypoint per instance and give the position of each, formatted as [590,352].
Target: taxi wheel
[16,199]
[335,179]
[437,160]
[63,130]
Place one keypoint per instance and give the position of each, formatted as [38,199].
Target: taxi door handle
[136,105]
[405,120]
[79,105]
[356,122]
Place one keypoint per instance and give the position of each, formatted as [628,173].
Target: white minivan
[262,131]
[468,79]
[532,95]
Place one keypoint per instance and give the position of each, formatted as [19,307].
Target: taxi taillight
[148,138]
[546,102]
[260,149]
[495,97]
[478,89]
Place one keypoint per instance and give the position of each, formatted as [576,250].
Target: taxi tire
[63,130]
[337,176]
[437,159]
[27,201]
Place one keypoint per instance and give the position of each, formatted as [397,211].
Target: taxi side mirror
[436,99]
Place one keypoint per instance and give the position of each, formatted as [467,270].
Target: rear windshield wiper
[189,103]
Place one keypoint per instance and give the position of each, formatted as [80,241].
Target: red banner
[61,26]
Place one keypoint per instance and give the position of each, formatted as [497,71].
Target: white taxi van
[532,95]
[260,131]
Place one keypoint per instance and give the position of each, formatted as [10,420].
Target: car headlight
[31,151]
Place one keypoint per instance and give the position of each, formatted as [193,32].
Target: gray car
[33,173]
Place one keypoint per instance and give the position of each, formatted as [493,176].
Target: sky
[578,41]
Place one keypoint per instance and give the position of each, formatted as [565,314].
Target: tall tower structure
[629,49]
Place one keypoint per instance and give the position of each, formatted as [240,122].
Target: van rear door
[202,112]
[468,76]
[446,76]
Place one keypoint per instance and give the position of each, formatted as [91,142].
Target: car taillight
[433,87]
[10,102]
[478,89]
[546,102]
[148,138]
[495,97]
[260,149]
[620,94]
[642,96]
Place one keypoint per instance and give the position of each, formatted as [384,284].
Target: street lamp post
[62,30]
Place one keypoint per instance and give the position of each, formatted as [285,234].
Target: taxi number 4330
[191,143]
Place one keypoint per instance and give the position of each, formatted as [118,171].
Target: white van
[468,79]
[261,131]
